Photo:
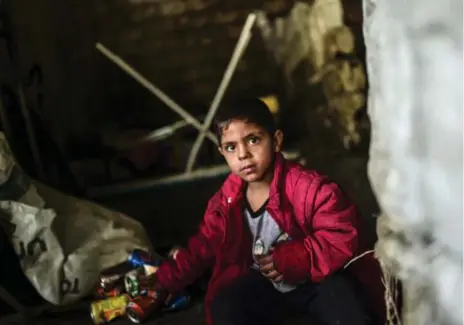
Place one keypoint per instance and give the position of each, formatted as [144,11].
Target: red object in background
[140,308]
[143,157]
[114,292]
[141,154]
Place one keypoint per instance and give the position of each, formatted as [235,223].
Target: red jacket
[322,222]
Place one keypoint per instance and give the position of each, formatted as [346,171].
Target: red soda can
[140,308]
[105,293]
[150,293]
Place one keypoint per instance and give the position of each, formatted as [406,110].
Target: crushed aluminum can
[139,258]
[178,302]
[107,281]
[131,282]
[150,269]
[114,276]
[133,287]
[140,308]
[105,310]
[113,292]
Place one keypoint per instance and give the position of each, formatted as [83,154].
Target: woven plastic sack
[63,243]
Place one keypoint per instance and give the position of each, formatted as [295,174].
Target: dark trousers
[252,299]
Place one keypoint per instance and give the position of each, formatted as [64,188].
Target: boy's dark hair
[252,110]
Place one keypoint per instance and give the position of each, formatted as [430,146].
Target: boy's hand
[147,281]
[267,268]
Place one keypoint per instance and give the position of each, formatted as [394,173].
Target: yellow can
[150,269]
[104,311]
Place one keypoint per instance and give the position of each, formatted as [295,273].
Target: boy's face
[249,149]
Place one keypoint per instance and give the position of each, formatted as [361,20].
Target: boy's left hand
[267,268]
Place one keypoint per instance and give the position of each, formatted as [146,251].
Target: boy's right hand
[267,268]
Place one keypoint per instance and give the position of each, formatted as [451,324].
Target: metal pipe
[240,48]
[154,90]
[129,187]
[153,136]
[198,174]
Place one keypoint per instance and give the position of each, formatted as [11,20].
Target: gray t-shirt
[263,226]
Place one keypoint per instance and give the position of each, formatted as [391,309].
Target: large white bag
[63,242]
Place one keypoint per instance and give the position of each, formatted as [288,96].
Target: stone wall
[320,53]
[182,46]
[414,59]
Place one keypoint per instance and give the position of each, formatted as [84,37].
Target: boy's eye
[229,148]
[253,140]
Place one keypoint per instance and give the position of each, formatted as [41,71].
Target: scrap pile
[120,294]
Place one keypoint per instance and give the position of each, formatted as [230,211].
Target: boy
[276,235]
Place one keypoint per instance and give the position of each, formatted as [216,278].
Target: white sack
[63,242]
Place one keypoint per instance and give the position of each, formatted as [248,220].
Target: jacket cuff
[164,278]
[291,259]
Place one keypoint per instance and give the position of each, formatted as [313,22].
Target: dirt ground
[192,316]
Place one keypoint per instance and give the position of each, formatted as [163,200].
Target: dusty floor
[191,316]
[188,317]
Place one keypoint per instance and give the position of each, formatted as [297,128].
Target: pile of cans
[120,294]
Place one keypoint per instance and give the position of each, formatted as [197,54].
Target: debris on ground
[120,294]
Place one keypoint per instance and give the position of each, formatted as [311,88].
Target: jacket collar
[232,188]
